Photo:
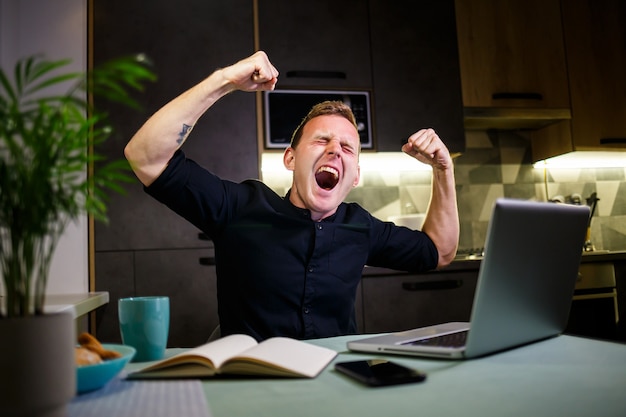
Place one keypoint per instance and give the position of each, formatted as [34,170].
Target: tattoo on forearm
[184,132]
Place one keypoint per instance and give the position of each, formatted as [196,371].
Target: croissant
[84,356]
[90,348]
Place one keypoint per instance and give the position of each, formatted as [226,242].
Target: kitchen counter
[77,304]
[604,256]
[600,295]
[472,262]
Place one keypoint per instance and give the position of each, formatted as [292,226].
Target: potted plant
[47,143]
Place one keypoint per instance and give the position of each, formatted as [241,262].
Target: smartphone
[379,372]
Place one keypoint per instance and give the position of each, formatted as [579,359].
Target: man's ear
[289,158]
[358,176]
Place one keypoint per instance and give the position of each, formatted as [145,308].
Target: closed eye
[348,148]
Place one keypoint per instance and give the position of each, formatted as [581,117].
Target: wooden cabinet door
[147,249]
[595,41]
[511,53]
[181,275]
[115,273]
[185,43]
[402,302]
[416,72]
[322,43]
[191,286]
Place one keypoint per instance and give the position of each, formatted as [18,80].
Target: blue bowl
[93,377]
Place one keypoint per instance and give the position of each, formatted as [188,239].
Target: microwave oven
[285,109]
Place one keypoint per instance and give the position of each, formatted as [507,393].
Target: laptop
[524,291]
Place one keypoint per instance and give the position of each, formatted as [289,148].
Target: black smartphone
[379,372]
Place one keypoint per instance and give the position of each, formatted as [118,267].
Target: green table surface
[562,376]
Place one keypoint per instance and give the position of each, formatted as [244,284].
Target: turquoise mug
[144,325]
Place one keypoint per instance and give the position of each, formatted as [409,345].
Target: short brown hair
[324,108]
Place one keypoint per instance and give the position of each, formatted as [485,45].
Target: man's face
[325,165]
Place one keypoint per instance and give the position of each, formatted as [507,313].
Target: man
[290,266]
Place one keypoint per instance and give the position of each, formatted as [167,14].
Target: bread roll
[84,356]
[88,341]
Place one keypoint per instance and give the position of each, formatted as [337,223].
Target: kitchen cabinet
[513,63]
[595,43]
[406,301]
[117,275]
[320,44]
[415,68]
[594,307]
[153,249]
[396,301]
[620,281]
[191,286]
[376,46]
[179,274]
[185,45]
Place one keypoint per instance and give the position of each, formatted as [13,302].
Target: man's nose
[333,147]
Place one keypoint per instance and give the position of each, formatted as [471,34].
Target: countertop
[472,263]
[77,304]
[604,256]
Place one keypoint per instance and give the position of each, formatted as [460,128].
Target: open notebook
[525,286]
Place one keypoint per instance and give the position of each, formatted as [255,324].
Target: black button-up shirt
[279,273]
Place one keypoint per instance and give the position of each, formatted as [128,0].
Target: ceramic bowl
[93,377]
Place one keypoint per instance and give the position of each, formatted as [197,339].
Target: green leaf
[49,82]
[46,141]
[8,89]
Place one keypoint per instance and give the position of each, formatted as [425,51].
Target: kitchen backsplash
[496,164]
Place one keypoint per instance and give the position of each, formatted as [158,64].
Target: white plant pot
[38,377]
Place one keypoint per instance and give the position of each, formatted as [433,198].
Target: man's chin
[323,202]
[328,200]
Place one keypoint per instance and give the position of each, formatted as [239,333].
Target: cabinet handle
[613,141]
[317,74]
[449,284]
[517,96]
[207,260]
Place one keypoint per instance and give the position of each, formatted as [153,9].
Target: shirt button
[319,227]
[305,310]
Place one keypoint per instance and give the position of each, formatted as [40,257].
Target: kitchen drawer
[401,302]
[188,277]
[594,311]
[596,275]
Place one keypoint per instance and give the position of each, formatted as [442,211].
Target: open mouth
[327,177]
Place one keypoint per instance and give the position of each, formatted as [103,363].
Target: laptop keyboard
[447,340]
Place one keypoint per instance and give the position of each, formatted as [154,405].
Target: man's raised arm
[154,144]
[442,218]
